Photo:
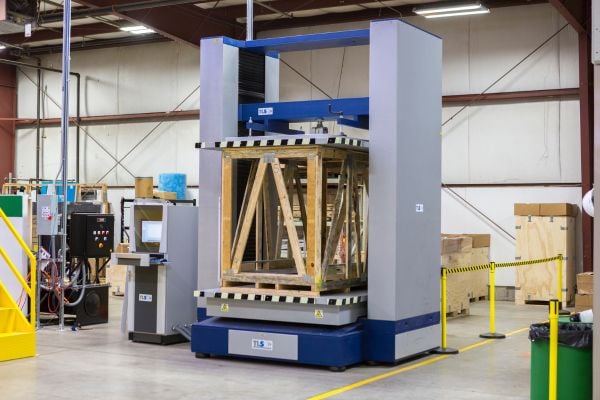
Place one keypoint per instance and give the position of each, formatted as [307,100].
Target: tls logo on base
[319,314]
[224,307]
[261,344]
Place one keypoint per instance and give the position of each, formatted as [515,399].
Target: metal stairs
[17,337]
[17,333]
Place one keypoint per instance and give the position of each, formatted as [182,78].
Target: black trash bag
[572,334]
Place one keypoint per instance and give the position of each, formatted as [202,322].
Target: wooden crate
[306,253]
[542,237]
[116,276]
[479,279]
[476,282]
[457,252]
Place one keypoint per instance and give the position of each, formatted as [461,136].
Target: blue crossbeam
[301,111]
[276,117]
[316,41]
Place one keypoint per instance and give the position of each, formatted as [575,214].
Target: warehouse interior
[298,199]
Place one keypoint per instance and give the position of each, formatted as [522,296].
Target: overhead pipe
[66,66]
[249,19]
[38,138]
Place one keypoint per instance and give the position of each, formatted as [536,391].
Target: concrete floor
[99,363]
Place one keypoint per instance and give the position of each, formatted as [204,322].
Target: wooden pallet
[458,313]
[478,299]
[288,290]
[301,251]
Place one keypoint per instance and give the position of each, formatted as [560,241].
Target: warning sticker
[319,314]
[224,307]
[46,212]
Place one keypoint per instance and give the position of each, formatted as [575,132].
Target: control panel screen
[151,231]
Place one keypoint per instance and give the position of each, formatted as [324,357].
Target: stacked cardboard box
[477,281]
[457,252]
[544,231]
[116,275]
[585,291]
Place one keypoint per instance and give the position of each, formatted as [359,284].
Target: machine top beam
[273,46]
[308,110]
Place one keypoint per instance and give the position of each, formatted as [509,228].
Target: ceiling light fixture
[2,47]
[142,31]
[451,10]
[455,14]
[137,29]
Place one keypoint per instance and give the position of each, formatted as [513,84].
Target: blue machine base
[334,347]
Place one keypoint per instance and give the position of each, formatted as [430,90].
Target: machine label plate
[145,298]
[261,344]
[265,111]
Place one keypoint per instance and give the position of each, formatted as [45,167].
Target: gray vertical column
[405,74]
[596,252]
[218,120]
[271,79]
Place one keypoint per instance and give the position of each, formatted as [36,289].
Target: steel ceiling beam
[185,22]
[56,33]
[448,100]
[570,15]
[363,15]
[112,8]
[93,44]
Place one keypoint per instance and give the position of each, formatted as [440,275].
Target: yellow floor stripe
[405,369]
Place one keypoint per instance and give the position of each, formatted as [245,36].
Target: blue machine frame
[403,111]
[276,117]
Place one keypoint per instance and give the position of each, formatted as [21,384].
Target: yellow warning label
[224,307]
[319,314]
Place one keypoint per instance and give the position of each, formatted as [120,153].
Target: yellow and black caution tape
[470,268]
[528,262]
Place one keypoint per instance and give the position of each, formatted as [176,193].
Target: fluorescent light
[142,31]
[455,14]
[137,29]
[445,9]
[2,47]
[132,28]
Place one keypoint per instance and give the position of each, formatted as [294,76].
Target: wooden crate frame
[295,173]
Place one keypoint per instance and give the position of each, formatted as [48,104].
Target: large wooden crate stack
[457,252]
[462,250]
[322,247]
[542,231]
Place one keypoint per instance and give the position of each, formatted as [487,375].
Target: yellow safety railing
[553,353]
[29,289]
[491,267]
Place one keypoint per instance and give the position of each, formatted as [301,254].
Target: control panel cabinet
[92,235]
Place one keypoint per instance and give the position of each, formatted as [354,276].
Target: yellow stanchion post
[492,334]
[553,352]
[559,278]
[444,349]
